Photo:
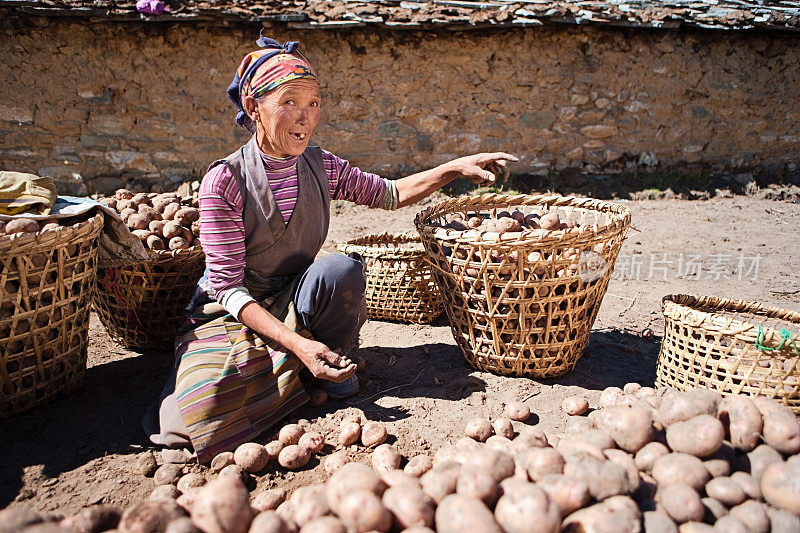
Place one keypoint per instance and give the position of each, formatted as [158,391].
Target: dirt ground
[79,450]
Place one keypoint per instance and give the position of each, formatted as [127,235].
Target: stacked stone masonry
[101,104]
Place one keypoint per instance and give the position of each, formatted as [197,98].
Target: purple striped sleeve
[222,230]
[351,183]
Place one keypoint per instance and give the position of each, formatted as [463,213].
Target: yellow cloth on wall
[20,192]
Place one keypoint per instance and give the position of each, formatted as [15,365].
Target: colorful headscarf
[263,70]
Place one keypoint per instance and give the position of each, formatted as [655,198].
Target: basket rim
[622,218]
[671,304]
[363,246]
[9,243]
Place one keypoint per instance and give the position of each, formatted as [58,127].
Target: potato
[742,422]
[222,506]
[21,225]
[498,464]
[124,214]
[577,424]
[648,454]
[190,481]
[418,465]
[349,433]
[160,202]
[309,503]
[570,448]
[575,405]
[178,243]
[186,235]
[196,233]
[439,483]
[164,492]
[696,527]
[750,486]
[539,462]
[143,234]
[550,221]
[683,405]
[499,443]
[730,524]
[600,439]
[680,468]
[334,462]
[373,434]
[753,514]
[782,431]
[362,511]
[349,477]
[479,429]
[146,464]
[312,441]
[168,213]
[719,464]
[658,522]
[293,457]
[568,493]
[251,456]
[503,427]
[517,411]
[273,449]
[725,490]
[109,202]
[186,215]
[268,500]
[167,474]
[714,510]
[398,477]
[630,427]
[780,486]
[50,226]
[759,459]
[323,524]
[682,503]
[171,229]
[122,205]
[154,242]
[604,478]
[409,506]
[94,519]
[270,522]
[529,437]
[385,458]
[700,436]
[625,460]
[317,398]
[478,484]
[149,212]
[531,503]
[618,514]
[782,521]
[610,397]
[457,514]
[151,515]
[187,499]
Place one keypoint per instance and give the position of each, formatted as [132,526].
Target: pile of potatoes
[21,225]
[644,460]
[159,220]
[506,221]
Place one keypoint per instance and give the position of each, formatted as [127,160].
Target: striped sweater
[222,227]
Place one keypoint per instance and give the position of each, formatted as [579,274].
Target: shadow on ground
[102,417]
[614,358]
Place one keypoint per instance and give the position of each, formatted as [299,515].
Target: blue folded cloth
[340,391]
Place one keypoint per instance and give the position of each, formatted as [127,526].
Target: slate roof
[453,14]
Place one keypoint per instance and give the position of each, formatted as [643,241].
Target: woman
[266,309]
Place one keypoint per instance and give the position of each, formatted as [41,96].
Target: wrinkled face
[286,117]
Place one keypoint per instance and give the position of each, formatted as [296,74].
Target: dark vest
[277,251]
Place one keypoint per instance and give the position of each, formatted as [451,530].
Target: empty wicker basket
[730,346]
[523,303]
[142,306]
[46,285]
[400,284]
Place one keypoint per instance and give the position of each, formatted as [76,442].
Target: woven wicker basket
[142,306]
[46,286]
[523,303]
[400,283]
[713,343]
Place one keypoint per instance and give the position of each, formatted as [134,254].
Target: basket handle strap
[785,335]
[109,282]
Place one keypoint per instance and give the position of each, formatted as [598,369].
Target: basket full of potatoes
[523,276]
[142,306]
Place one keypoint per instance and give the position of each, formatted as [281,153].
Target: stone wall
[99,104]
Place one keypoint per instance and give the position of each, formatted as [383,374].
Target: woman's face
[286,117]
